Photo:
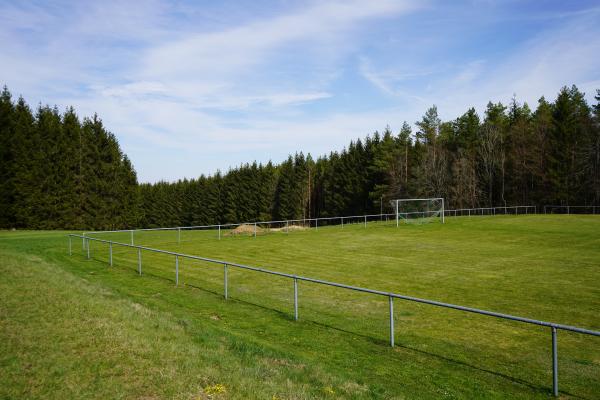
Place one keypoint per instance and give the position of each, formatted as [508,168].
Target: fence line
[508,210]
[391,296]
[569,208]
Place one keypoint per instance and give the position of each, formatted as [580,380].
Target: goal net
[418,210]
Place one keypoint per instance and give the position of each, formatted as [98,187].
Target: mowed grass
[77,328]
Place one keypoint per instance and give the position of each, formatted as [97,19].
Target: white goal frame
[397,202]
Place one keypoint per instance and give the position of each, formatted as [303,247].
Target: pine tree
[7,160]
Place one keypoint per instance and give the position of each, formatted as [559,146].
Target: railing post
[391,321]
[87,244]
[287,226]
[176,270]
[140,261]
[178,235]
[342,218]
[255,229]
[110,261]
[554,364]
[295,299]
[225,283]
[132,237]
[316,224]
[219,232]
[70,251]
[365,221]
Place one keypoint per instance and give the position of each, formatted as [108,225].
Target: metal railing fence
[491,211]
[551,209]
[554,327]
[288,225]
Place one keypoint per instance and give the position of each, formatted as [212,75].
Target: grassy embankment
[76,328]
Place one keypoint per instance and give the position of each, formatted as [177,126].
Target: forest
[57,171]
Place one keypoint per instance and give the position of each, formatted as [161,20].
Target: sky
[192,87]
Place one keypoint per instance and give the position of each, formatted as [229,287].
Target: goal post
[419,210]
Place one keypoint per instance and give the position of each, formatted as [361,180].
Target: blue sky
[193,87]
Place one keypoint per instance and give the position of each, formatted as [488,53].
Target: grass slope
[76,328]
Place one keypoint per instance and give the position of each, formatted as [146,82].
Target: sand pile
[290,228]
[247,230]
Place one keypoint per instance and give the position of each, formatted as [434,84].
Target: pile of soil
[247,230]
[290,228]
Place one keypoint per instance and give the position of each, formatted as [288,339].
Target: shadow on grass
[289,317]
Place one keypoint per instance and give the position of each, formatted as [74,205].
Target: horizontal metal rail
[390,295]
[448,212]
[569,208]
[350,287]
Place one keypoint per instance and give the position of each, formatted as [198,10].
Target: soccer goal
[419,210]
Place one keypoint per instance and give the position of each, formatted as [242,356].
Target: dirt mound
[290,228]
[247,230]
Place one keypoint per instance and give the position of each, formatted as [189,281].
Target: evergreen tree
[7,159]
[59,172]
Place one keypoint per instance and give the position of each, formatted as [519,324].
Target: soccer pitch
[540,267]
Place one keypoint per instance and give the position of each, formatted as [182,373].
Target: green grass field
[76,328]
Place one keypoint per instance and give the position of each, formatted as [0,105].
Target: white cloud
[390,81]
[565,54]
[194,95]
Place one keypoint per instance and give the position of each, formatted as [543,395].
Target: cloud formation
[189,89]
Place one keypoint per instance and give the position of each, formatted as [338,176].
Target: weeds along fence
[257,228]
[295,279]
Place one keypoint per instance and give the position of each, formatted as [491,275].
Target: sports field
[77,328]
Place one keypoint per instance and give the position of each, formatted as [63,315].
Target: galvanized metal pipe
[365,290]
[455,211]
[391,320]
[110,261]
[176,270]
[553,326]
[225,283]
[139,261]
[296,299]
[554,363]
[391,296]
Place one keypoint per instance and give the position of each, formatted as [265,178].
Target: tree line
[509,155]
[57,171]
